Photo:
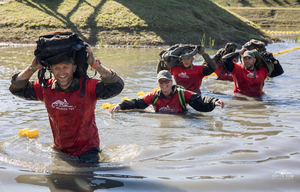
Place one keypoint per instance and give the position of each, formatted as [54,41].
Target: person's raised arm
[278,70]
[96,64]
[20,85]
[210,63]
[229,57]
[29,71]
[110,84]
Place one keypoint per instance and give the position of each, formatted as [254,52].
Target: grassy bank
[271,17]
[259,3]
[279,13]
[124,22]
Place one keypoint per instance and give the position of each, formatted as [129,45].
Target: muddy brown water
[250,145]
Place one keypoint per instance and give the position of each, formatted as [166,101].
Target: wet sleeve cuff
[112,79]
[18,84]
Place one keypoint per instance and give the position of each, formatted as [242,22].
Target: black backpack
[255,44]
[229,48]
[56,47]
[171,57]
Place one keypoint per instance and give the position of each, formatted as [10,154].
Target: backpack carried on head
[255,44]
[172,56]
[229,48]
[261,55]
[55,47]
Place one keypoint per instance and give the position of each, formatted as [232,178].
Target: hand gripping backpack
[55,47]
[261,55]
[229,48]
[262,60]
[171,57]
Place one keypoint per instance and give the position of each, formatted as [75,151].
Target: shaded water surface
[250,145]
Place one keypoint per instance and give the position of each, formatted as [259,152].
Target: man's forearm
[228,60]
[210,62]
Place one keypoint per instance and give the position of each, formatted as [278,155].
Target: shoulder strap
[220,74]
[181,98]
[155,98]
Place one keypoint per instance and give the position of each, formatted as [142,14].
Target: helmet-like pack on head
[187,53]
[255,44]
[61,46]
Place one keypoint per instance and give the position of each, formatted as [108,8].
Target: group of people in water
[72,116]
[247,76]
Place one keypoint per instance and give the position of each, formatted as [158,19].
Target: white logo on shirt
[166,109]
[251,75]
[62,105]
[183,75]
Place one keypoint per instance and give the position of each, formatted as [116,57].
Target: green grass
[275,14]
[259,3]
[127,22]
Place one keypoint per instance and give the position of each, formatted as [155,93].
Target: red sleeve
[149,97]
[188,95]
[236,69]
[38,90]
[218,70]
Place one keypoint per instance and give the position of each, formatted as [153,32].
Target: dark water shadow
[88,182]
[77,182]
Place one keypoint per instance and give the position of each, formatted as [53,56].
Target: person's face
[248,62]
[165,85]
[187,62]
[63,73]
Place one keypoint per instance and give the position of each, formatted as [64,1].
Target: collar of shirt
[73,87]
[170,96]
[187,67]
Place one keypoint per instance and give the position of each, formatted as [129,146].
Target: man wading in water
[187,74]
[71,116]
[249,78]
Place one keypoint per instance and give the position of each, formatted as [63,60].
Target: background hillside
[128,22]
[278,14]
[259,3]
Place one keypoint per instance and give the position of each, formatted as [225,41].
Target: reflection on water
[243,144]
[56,182]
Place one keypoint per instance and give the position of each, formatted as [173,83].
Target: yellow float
[124,98]
[23,132]
[32,133]
[106,105]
